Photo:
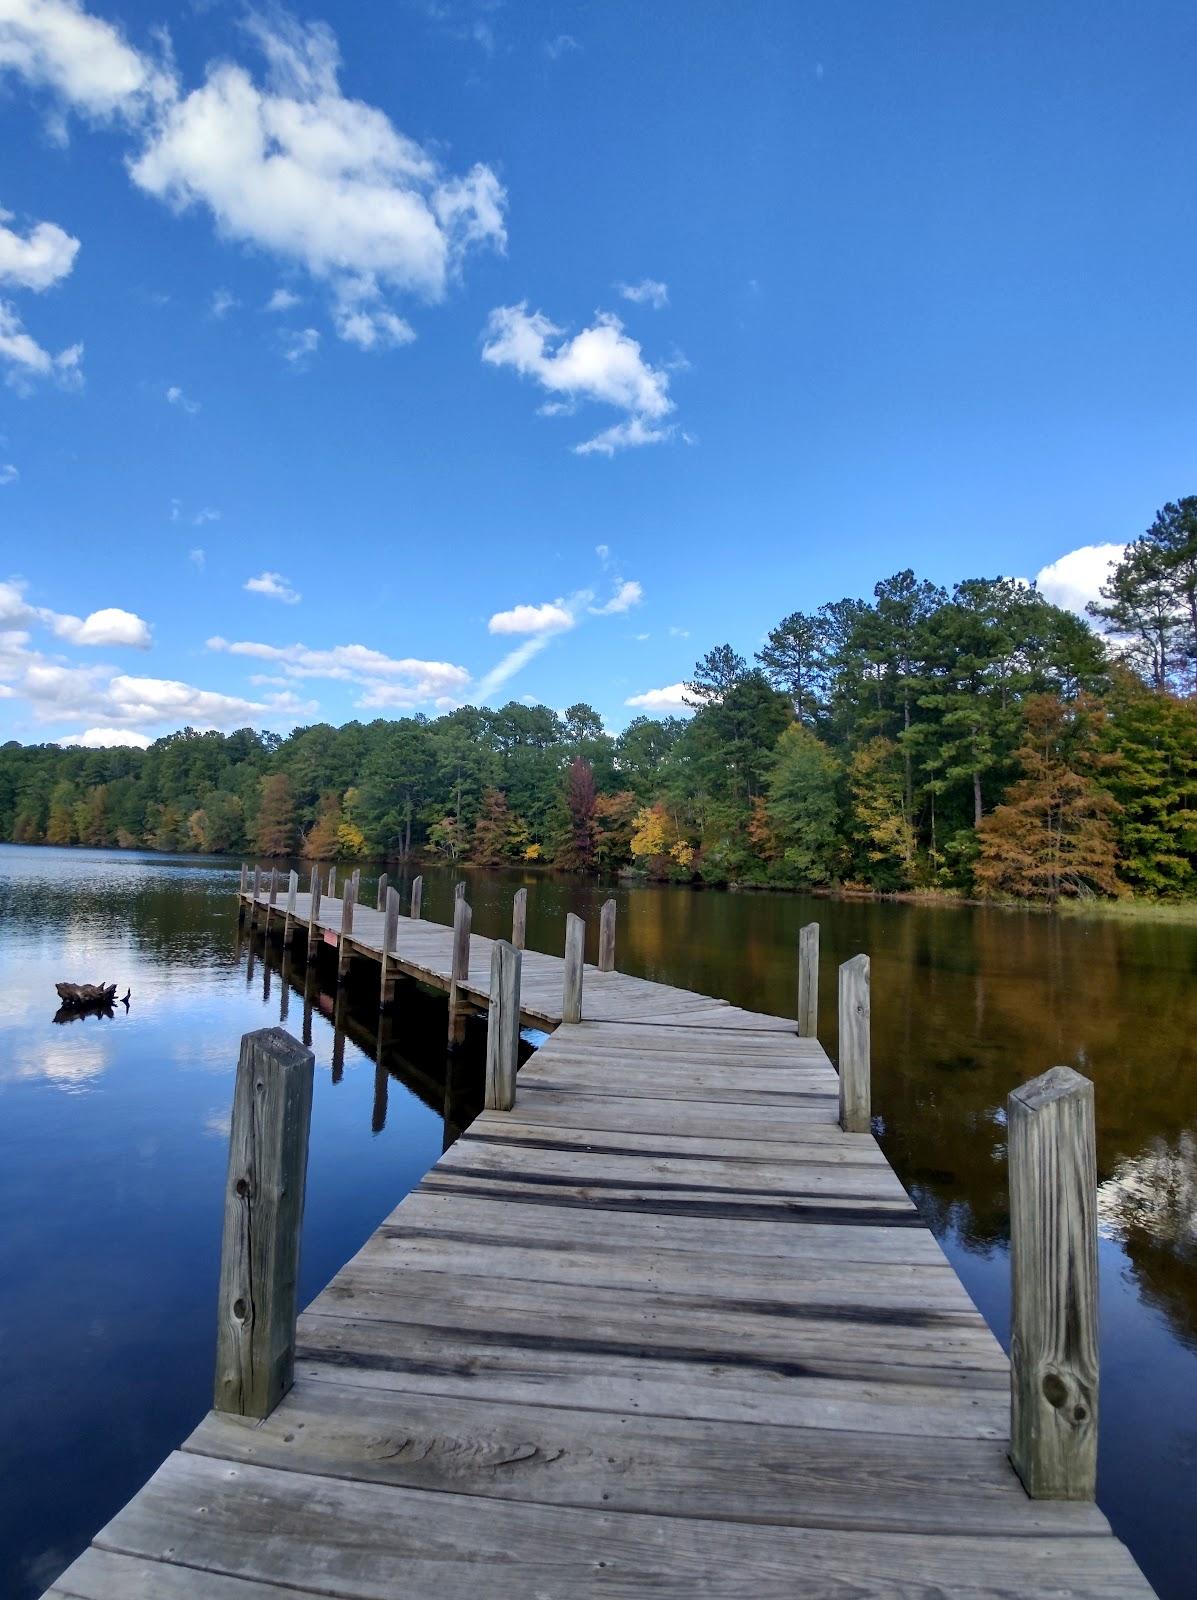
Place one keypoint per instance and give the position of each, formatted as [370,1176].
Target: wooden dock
[663,1328]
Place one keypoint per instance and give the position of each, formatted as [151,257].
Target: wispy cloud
[298,344]
[283,300]
[8,474]
[671,698]
[387,680]
[176,397]
[198,558]
[223,301]
[625,597]
[37,259]
[648,292]
[563,45]
[275,587]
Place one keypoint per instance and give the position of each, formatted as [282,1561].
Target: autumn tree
[613,827]
[322,842]
[880,827]
[492,831]
[576,850]
[274,834]
[1053,833]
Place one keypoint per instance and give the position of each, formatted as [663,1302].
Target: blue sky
[388,357]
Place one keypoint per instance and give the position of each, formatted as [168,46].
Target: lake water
[113,1140]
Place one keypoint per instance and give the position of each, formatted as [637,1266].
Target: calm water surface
[113,1140]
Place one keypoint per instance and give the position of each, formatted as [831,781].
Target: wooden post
[253,908]
[289,920]
[519,919]
[459,890]
[347,902]
[331,889]
[383,883]
[263,1218]
[855,1102]
[417,898]
[575,956]
[462,917]
[808,981]
[390,938]
[313,912]
[606,955]
[244,877]
[272,897]
[1053,1273]
[503,1026]
[338,1049]
[356,881]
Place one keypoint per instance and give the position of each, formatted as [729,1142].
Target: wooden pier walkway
[662,1329]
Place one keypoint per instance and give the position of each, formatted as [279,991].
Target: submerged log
[86,994]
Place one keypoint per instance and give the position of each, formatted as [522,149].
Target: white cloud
[55,44]
[671,698]
[27,359]
[603,552]
[275,587]
[648,292]
[198,558]
[298,344]
[1076,578]
[625,597]
[551,617]
[105,738]
[112,626]
[679,633]
[622,436]
[369,325]
[223,301]
[562,45]
[294,167]
[283,300]
[511,663]
[205,514]
[176,397]
[8,473]
[388,681]
[37,260]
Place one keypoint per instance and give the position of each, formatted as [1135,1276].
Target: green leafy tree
[803,805]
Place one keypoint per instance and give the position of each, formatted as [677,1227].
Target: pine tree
[803,805]
[274,834]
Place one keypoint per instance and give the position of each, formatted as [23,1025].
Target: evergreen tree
[803,805]
[274,834]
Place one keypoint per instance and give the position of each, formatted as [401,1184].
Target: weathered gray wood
[244,877]
[263,1219]
[459,890]
[575,957]
[257,889]
[390,938]
[808,981]
[313,910]
[331,882]
[462,917]
[1053,1270]
[502,1026]
[289,919]
[273,887]
[380,902]
[606,950]
[417,898]
[855,1091]
[519,919]
[356,880]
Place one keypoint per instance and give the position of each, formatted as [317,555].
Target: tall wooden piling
[519,919]
[289,917]
[462,918]
[272,896]
[244,877]
[417,898]
[575,958]
[253,906]
[808,981]
[503,1026]
[380,904]
[355,879]
[855,1091]
[459,890]
[606,949]
[263,1217]
[348,895]
[390,939]
[313,911]
[331,882]
[1053,1273]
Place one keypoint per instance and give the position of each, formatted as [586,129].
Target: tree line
[981,740]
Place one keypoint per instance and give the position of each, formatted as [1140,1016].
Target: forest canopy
[982,740]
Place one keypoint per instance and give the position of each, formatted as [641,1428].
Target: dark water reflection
[112,1138]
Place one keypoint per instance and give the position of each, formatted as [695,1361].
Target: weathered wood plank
[519,918]
[502,1027]
[575,956]
[854,1046]
[808,981]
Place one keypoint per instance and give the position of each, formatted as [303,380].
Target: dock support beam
[289,919]
[808,981]
[855,1092]
[1053,1271]
[606,953]
[390,939]
[348,896]
[253,908]
[462,917]
[459,890]
[575,958]
[519,919]
[270,904]
[313,911]
[331,887]
[263,1216]
[356,880]
[417,898]
[503,1027]
[380,903]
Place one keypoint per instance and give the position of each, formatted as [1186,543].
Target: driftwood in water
[87,994]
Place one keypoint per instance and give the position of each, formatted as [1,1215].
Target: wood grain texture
[519,918]
[502,1027]
[417,897]
[606,951]
[808,981]
[854,1046]
[460,966]
[575,957]
[380,899]
[1053,1264]
[263,1219]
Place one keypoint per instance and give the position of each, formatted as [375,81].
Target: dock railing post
[519,919]
[462,918]
[263,1218]
[575,958]
[289,919]
[356,881]
[1053,1273]
[244,877]
[417,898]
[459,890]
[606,950]
[808,981]
[313,909]
[273,896]
[855,1093]
[390,939]
[348,894]
[502,1026]
[331,887]
[253,908]
[383,884]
